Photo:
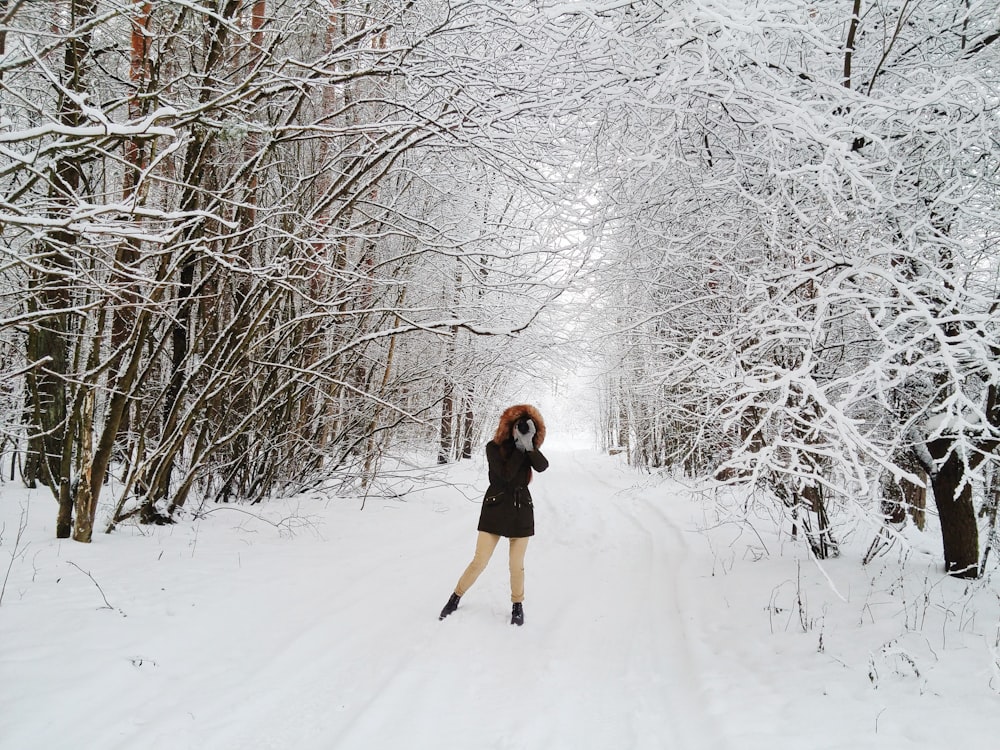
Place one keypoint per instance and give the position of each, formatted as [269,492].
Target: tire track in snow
[642,628]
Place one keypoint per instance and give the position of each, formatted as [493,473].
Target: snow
[312,623]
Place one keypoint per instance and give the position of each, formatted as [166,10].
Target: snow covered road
[602,662]
[312,624]
[231,635]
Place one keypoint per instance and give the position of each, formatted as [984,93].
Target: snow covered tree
[810,194]
[233,220]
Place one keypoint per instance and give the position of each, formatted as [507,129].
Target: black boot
[450,607]
[517,614]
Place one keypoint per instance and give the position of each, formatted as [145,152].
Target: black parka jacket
[507,507]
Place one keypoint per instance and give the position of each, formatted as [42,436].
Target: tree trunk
[468,429]
[197,182]
[901,497]
[85,501]
[953,497]
[47,391]
[810,498]
[124,315]
[447,412]
[46,386]
[96,468]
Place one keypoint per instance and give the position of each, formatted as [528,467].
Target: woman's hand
[523,440]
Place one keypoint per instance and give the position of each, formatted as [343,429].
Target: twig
[285,524]
[22,525]
[87,573]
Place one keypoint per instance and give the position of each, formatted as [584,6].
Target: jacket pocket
[493,499]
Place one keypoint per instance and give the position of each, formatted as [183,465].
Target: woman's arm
[538,461]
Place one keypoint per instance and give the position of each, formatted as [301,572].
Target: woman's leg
[517,549]
[485,544]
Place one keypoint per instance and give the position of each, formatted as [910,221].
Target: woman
[507,509]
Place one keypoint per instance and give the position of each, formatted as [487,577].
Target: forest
[249,248]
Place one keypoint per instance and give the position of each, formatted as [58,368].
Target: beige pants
[485,545]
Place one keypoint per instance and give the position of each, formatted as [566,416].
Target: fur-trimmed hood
[509,418]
